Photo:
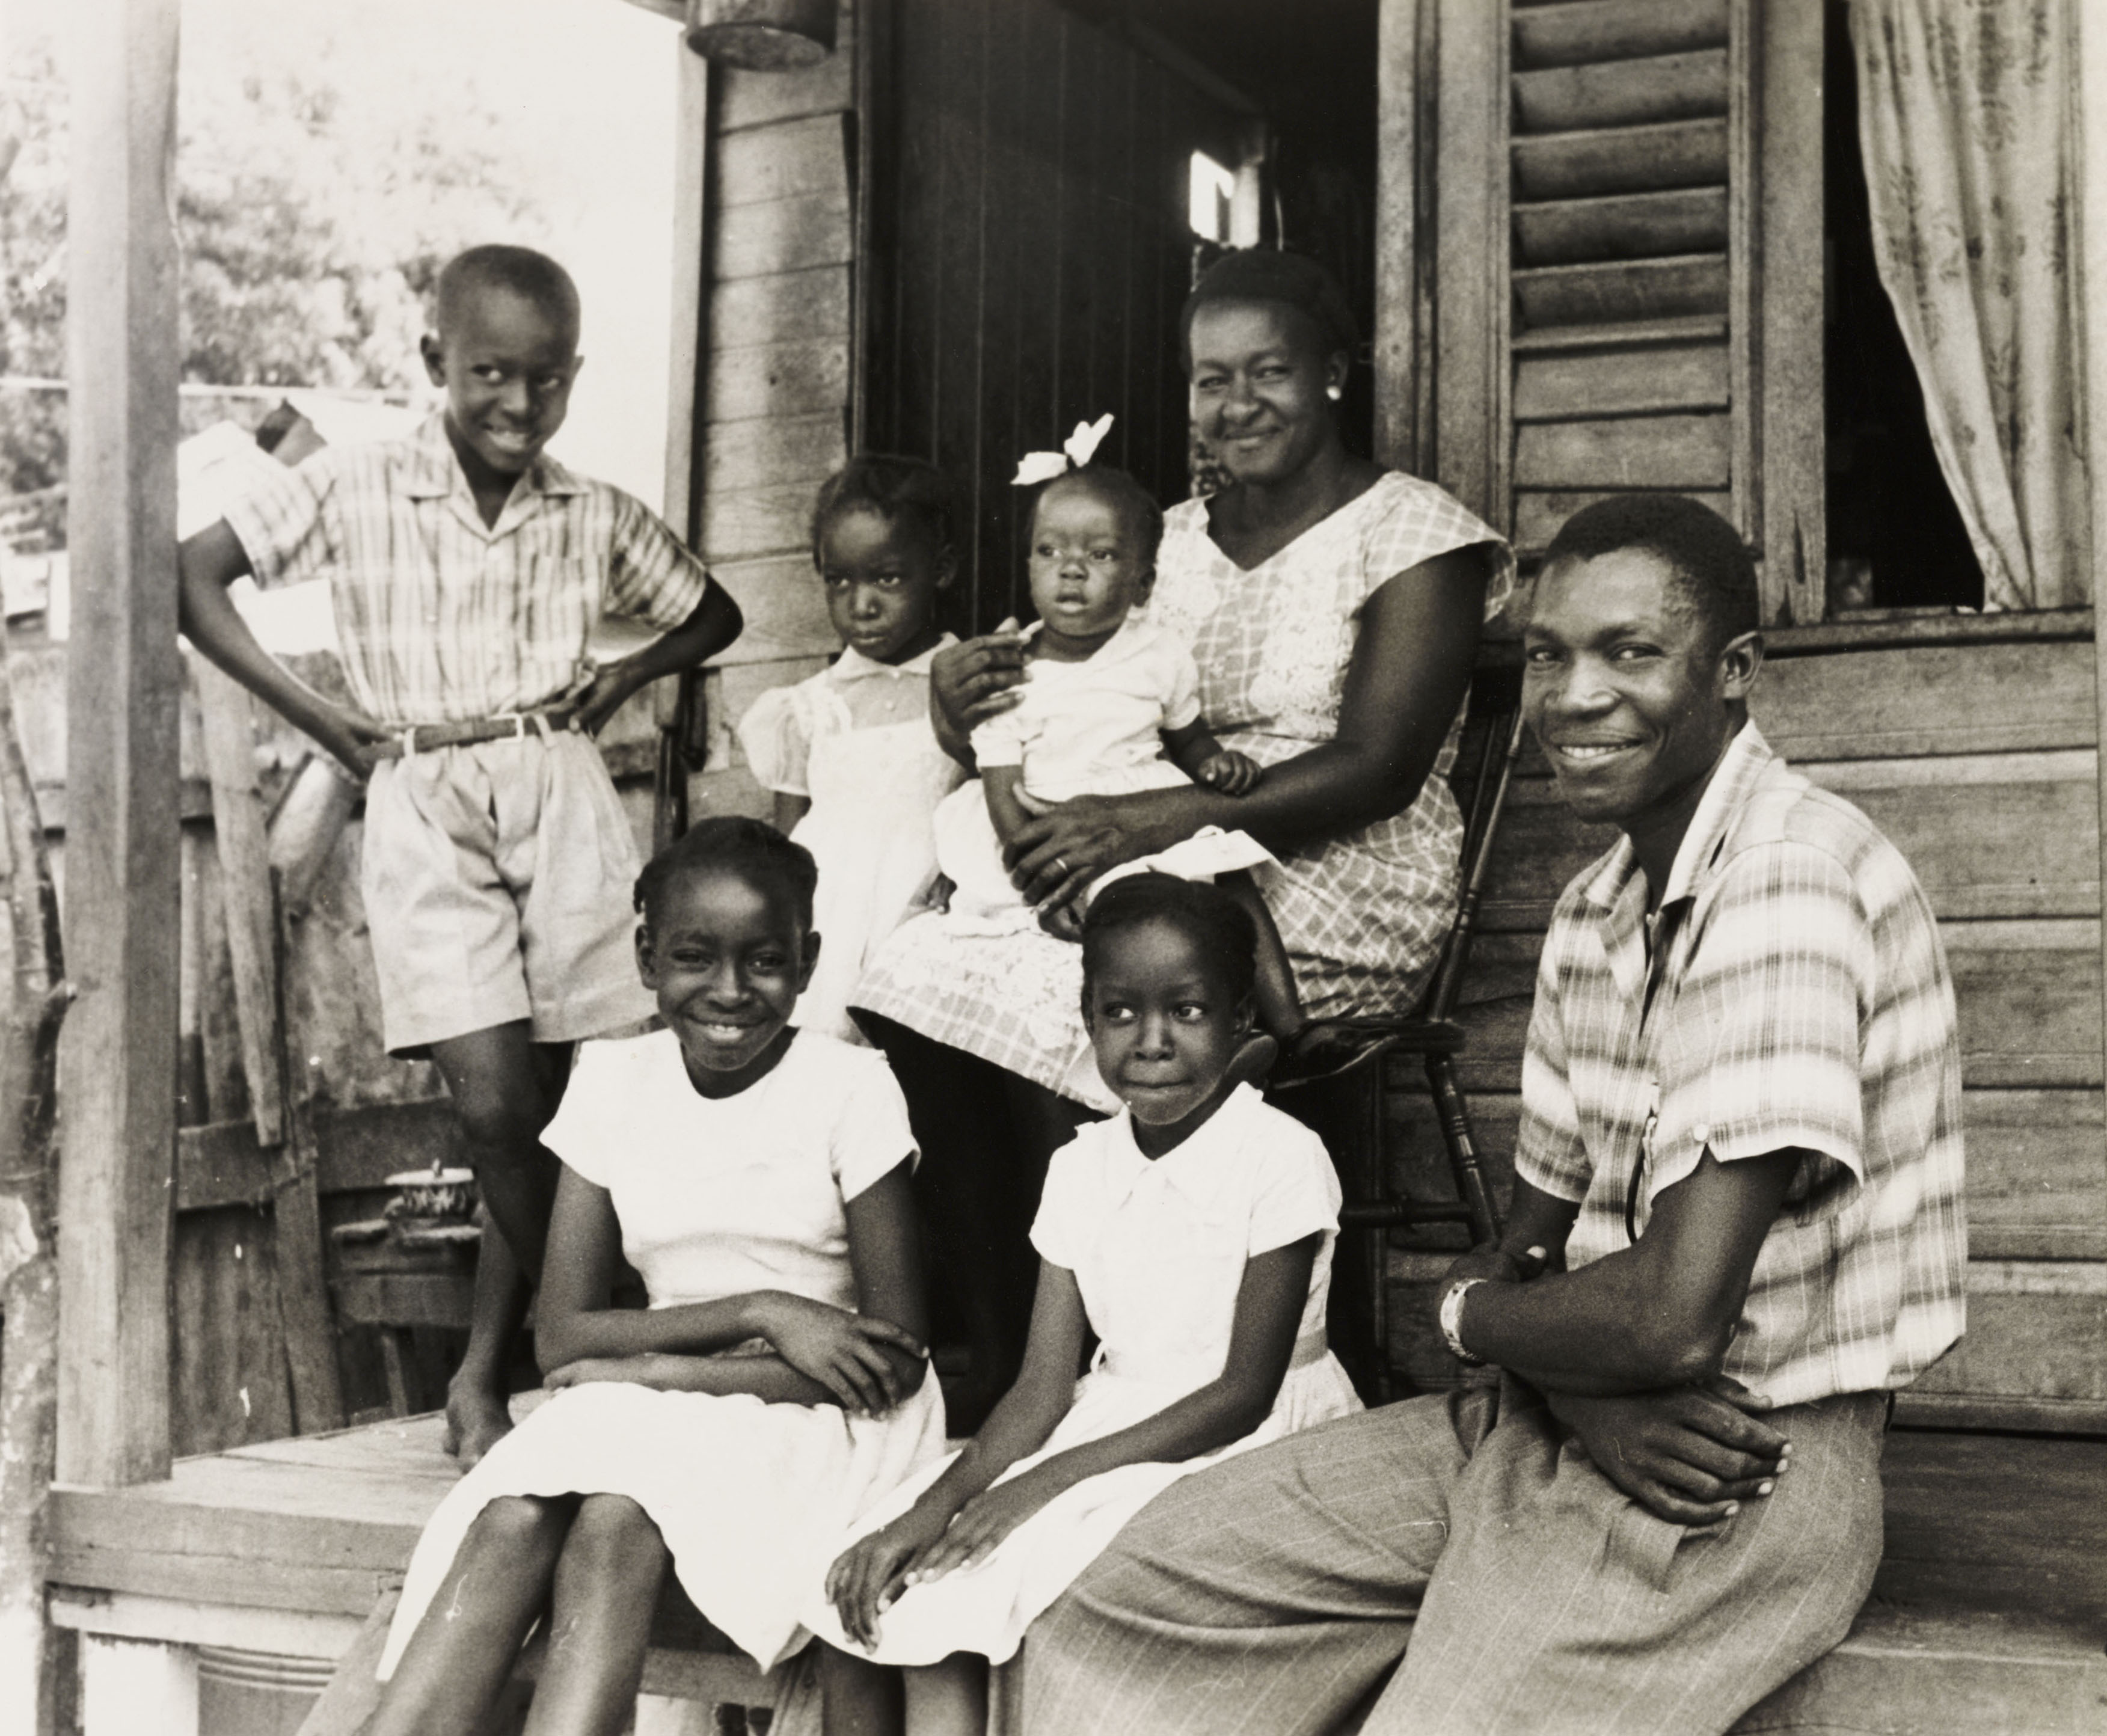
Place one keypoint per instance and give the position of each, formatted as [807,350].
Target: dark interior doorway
[1896,539]
[1030,173]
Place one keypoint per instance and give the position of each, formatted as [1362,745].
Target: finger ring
[1061,867]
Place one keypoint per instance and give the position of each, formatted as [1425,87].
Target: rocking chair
[1345,1106]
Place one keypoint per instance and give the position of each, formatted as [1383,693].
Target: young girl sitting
[1111,705]
[1193,1234]
[757,1177]
[849,752]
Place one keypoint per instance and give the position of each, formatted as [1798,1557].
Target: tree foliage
[310,227]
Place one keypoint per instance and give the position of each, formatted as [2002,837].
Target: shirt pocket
[557,602]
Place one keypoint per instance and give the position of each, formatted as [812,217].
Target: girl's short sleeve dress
[856,739]
[1363,914]
[716,1198]
[1158,1249]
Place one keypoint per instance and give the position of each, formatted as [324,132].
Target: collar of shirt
[853,666]
[1194,1169]
[1618,891]
[436,474]
[1123,642]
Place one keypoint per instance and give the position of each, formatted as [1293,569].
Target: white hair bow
[1077,449]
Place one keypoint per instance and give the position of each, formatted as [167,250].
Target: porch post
[2090,108]
[117,1061]
[1400,297]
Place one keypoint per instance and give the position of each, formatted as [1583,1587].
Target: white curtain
[1967,120]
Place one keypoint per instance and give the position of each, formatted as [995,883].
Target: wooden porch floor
[1988,1616]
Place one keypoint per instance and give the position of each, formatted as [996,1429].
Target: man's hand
[1687,1454]
[1229,772]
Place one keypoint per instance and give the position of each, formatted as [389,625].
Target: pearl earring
[1334,393]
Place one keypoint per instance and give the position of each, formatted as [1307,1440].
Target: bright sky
[582,96]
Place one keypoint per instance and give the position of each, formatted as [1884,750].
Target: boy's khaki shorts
[497,879]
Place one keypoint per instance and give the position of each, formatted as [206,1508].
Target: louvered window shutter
[1629,266]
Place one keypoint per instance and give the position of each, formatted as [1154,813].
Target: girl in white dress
[849,752]
[1193,1234]
[757,1176]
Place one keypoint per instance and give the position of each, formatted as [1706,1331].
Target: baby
[1111,705]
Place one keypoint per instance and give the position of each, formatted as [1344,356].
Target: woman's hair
[750,848]
[1264,274]
[1126,496]
[1710,562]
[897,489]
[1215,922]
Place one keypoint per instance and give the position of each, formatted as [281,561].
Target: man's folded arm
[1659,1313]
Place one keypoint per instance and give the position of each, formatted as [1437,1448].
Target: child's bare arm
[1262,1337]
[886,1258]
[847,1357]
[714,624]
[1196,752]
[866,1578]
[207,564]
[1000,784]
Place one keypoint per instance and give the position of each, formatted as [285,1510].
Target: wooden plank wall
[1978,761]
[773,419]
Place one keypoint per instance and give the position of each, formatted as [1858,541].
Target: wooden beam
[691,303]
[1472,293]
[118,1058]
[1398,279]
[244,880]
[2092,121]
[1791,517]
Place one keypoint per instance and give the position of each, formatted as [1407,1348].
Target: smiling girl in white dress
[849,752]
[1193,1234]
[757,1176]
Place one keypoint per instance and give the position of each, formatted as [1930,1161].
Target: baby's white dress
[716,1198]
[856,740]
[1158,1250]
[1089,728]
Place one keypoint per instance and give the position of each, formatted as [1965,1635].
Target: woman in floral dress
[1334,609]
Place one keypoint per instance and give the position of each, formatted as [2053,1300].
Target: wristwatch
[1451,1318]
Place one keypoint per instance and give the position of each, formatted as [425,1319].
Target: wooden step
[1910,1672]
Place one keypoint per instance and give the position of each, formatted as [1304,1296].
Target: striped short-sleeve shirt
[441,618]
[1799,1000]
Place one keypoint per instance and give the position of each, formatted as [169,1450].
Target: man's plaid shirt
[1801,1000]
[443,620]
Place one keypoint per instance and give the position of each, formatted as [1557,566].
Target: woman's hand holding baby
[1231,773]
[972,682]
[847,1353]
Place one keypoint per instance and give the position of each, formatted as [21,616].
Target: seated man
[1736,1228]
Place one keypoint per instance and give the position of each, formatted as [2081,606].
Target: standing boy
[466,570]
[1736,1228]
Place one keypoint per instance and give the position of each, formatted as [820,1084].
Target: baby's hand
[845,1353]
[1233,774]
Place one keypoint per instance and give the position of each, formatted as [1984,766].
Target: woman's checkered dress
[1363,914]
